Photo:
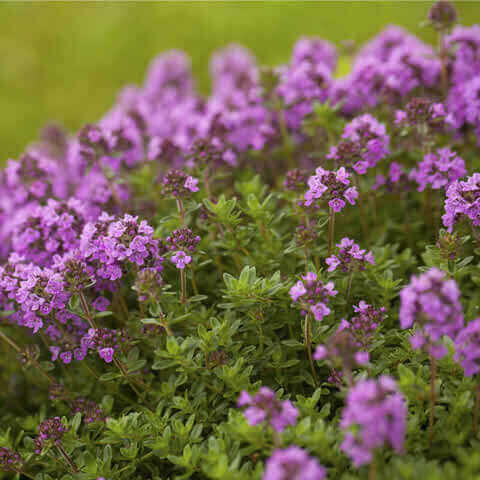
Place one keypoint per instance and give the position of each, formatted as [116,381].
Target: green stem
[433,374]
[183,282]
[476,408]
[331,228]
[308,348]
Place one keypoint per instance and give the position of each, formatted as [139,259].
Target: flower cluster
[51,431]
[467,348]
[364,323]
[342,351]
[332,187]
[293,463]
[463,201]
[111,244]
[10,461]
[431,301]
[438,170]
[104,341]
[178,184]
[365,142]
[374,417]
[397,181]
[182,239]
[350,257]
[264,406]
[312,295]
[90,410]
[49,230]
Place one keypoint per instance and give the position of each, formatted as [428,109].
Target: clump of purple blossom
[364,143]
[331,187]
[467,348]
[10,461]
[350,257]
[50,430]
[182,239]
[431,301]
[90,410]
[264,406]
[293,463]
[374,417]
[438,170]
[111,244]
[312,295]
[178,184]
[463,201]
[364,323]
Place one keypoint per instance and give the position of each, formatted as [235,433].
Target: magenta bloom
[181,259]
[438,170]
[265,407]
[312,295]
[350,257]
[374,417]
[467,348]
[364,143]
[332,187]
[293,463]
[463,201]
[431,301]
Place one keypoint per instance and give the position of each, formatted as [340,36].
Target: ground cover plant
[278,281]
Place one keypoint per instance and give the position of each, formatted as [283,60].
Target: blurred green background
[67,61]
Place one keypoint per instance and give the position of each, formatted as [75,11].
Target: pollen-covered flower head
[332,187]
[312,295]
[431,302]
[374,417]
[264,406]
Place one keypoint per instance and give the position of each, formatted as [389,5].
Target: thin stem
[331,229]
[372,471]
[476,408]
[10,342]
[71,463]
[287,144]
[181,211]
[276,439]
[194,281]
[183,282]
[433,374]
[349,285]
[443,59]
[308,348]
[89,318]
[132,385]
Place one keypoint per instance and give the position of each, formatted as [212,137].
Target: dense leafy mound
[279,281]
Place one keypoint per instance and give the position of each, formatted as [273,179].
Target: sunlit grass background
[67,61]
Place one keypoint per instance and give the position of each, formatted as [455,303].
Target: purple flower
[332,187]
[350,257]
[431,301]
[342,351]
[264,406]
[182,239]
[312,295]
[10,461]
[364,143]
[374,417]
[181,259]
[467,348]
[463,201]
[178,184]
[438,170]
[293,463]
